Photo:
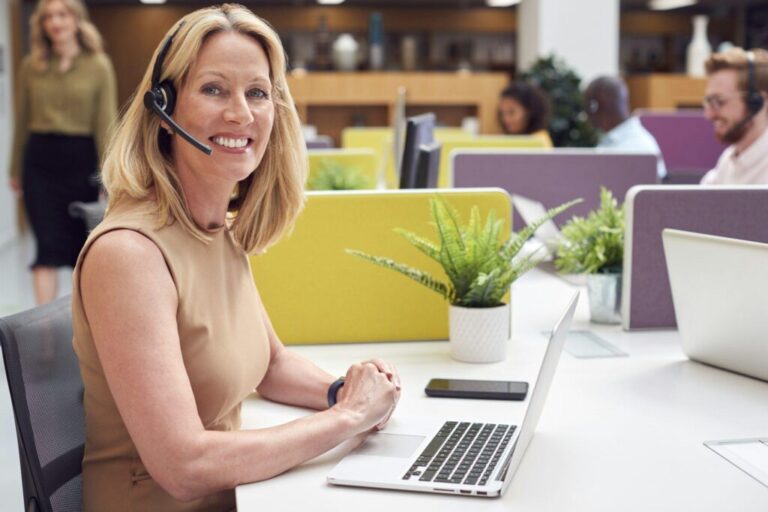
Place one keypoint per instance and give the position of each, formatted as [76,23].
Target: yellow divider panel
[317,293]
[379,139]
[445,176]
[366,161]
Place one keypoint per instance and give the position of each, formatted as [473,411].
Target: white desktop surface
[619,433]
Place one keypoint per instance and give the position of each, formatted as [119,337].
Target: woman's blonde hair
[41,47]
[138,162]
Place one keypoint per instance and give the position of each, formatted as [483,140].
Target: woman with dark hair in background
[65,102]
[524,110]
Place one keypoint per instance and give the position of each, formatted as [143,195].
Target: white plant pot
[604,298]
[479,335]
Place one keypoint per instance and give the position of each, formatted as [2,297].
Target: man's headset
[161,97]
[754,99]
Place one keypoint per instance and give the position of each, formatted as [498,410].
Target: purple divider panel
[686,139]
[553,177]
[321,142]
[734,213]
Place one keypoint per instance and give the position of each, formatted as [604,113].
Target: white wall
[583,32]
[7,202]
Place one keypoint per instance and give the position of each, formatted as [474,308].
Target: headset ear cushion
[755,102]
[168,92]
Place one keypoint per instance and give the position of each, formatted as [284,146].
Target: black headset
[161,97]
[754,99]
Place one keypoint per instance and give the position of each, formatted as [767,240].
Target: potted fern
[594,245]
[480,270]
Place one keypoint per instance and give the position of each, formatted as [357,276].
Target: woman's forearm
[294,380]
[223,460]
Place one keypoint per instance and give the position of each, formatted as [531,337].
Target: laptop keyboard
[462,453]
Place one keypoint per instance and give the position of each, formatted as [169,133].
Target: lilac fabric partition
[686,139]
[735,212]
[320,142]
[555,176]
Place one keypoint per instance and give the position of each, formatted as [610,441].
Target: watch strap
[333,391]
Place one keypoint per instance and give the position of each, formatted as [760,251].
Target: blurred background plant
[568,125]
[331,175]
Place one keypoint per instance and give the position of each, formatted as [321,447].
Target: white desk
[621,433]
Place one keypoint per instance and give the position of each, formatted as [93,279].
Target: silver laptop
[720,289]
[453,457]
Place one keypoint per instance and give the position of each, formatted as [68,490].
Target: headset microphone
[161,98]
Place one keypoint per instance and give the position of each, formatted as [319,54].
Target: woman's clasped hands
[370,393]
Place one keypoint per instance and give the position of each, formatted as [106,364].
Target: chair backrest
[687,142]
[729,211]
[555,176]
[91,213]
[317,293]
[46,392]
[489,143]
[364,163]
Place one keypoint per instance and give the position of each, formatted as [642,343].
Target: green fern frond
[408,271]
[422,244]
[594,243]
[515,243]
[484,290]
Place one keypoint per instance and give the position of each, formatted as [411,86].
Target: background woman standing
[65,103]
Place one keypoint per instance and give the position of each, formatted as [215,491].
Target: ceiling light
[665,5]
[501,3]
[330,2]
[152,1]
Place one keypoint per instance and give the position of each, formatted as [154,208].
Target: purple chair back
[555,176]
[686,139]
[734,212]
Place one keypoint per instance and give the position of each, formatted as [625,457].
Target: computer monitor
[418,130]
[428,165]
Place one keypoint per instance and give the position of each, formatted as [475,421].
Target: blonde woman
[65,103]
[169,328]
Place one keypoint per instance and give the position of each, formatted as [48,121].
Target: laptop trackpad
[390,445]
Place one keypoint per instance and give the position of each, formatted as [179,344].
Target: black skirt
[58,169]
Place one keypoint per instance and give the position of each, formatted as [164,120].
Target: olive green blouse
[79,101]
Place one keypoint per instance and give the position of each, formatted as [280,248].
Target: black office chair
[91,213]
[46,393]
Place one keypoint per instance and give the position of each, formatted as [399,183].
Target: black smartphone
[488,389]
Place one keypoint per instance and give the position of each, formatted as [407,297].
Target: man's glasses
[716,102]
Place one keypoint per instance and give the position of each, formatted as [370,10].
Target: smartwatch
[333,391]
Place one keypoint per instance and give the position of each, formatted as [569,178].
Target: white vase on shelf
[699,49]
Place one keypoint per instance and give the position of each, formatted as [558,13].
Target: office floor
[15,295]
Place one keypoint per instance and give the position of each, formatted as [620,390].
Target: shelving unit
[661,91]
[333,101]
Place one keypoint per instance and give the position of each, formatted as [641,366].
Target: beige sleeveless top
[223,342]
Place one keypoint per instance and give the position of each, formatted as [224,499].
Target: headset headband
[158,67]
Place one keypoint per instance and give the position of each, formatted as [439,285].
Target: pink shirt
[750,167]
